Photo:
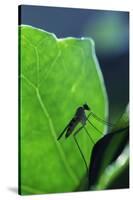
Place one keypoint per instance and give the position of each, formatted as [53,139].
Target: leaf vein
[52,64]
[72,175]
[28,81]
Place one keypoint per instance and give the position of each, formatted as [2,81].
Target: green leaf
[116,175]
[107,150]
[56,77]
[123,121]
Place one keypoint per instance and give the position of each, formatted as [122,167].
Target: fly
[81,117]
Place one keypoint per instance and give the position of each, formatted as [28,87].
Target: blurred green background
[109,30]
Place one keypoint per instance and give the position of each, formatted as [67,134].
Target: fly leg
[100,120]
[91,114]
[94,127]
[74,135]
[89,135]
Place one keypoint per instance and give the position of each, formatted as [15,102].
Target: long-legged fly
[81,117]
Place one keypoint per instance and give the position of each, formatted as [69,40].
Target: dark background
[109,30]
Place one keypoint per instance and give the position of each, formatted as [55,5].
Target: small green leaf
[123,121]
[56,77]
[108,149]
[116,175]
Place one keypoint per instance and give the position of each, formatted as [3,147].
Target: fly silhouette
[81,117]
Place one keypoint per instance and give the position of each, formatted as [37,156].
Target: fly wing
[63,132]
[73,123]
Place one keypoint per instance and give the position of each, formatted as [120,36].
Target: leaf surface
[56,77]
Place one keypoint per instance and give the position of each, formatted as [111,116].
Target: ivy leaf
[56,77]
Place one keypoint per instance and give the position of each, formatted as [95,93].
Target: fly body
[79,117]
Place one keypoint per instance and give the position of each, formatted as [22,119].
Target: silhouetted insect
[80,117]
